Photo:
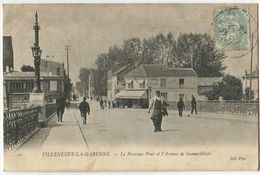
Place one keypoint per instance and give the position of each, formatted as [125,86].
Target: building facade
[246,82]
[19,85]
[142,83]
[205,85]
[116,81]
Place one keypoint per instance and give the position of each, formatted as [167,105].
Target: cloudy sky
[91,29]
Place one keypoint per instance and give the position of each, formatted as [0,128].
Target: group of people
[104,104]
[181,106]
[158,104]
[159,107]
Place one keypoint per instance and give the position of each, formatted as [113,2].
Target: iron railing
[18,125]
[224,107]
[50,110]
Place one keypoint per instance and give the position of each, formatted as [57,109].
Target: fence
[18,125]
[50,109]
[224,107]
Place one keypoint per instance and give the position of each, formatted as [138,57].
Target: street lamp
[36,52]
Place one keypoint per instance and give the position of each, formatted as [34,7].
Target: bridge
[117,130]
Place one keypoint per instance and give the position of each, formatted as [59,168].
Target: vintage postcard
[130,87]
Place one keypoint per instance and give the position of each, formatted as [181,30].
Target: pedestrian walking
[101,104]
[180,106]
[193,105]
[156,104]
[109,104]
[84,110]
[105,104]
[60,105]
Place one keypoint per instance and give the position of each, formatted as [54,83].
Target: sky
[90,29]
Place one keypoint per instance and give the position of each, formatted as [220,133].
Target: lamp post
[36,52]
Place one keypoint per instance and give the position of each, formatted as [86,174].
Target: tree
[246,95]
[133,49]
[230,88]
[84,79]
[27,68]
[67,87]
[198,51]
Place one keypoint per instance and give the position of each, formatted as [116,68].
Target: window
[163,83]
[142,85]
[164,95]
[181,83]
[58,71]
[130,85]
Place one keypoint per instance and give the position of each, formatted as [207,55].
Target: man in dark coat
[193,105]
[156,104]
[84,109]
[101,104]
[180,106]
[60,105]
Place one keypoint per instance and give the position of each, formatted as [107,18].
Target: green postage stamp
[231,28]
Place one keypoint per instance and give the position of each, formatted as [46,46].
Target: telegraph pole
[68,67]
[251,62]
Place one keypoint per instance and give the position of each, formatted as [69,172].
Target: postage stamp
[231,28]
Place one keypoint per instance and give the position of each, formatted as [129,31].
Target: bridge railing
[249,108]
[50,110]
[18,125]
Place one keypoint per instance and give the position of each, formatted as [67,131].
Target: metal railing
[18,125]
[225,107]
[50,109]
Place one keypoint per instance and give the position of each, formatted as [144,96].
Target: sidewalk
[51,137]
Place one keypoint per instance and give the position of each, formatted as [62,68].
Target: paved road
[119,130]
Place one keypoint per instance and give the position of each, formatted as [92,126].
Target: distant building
[52,67]
[115,80]
[205,84]
[142,82]
[246,82]
[8,56]
[19,85]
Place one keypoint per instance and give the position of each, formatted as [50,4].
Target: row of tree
[187,50]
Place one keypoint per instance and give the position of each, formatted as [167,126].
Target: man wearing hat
[156,104]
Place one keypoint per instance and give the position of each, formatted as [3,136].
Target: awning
[142,94]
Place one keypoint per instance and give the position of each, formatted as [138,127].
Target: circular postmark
[231,29]
[235,30]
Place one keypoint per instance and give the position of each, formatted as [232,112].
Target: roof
[27,75]
[159,70]
[132,94]
[208,81]
[119,70]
